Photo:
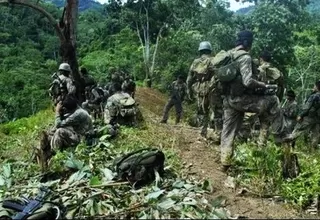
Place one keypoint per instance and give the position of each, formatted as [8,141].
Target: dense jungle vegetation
[156,39]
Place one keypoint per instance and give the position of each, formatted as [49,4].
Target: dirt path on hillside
[202,157]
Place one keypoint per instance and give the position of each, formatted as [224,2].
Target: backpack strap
[130,154]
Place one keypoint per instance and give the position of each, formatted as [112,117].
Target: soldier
[71,123]
[309,118]
[128,85]
[270,74]
[120,108]
[240,97]
[87,79]
[290,110]
[202,84]
[62,84]
[95,101]
[115,77]
[177,94]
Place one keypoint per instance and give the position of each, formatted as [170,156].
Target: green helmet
[65,67]
[205,45]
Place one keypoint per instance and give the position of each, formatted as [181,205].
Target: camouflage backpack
[139,167]
[127,107]
[58,87]
[201,68]
[226,65]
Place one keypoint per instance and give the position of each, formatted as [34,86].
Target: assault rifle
[31,205]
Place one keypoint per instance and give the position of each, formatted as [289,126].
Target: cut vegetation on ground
[193,187]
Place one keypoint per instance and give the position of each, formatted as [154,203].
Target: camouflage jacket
[290,110]
[69,84]
[178,91]
[311,107]
[246,81]
[79,121]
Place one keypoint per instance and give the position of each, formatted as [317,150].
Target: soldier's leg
[205,105]
[315,136]
[263,133]
[179,111]
[167,108]
[231,123]
[64,138]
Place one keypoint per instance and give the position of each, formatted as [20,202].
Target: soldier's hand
[58,107]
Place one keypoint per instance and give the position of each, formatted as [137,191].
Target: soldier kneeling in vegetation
[121,108]
[71,124]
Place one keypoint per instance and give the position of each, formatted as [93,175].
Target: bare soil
[202,158]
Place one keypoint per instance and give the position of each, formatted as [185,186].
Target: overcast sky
[233,4]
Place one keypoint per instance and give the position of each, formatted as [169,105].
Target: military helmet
[65,67]
[205,45]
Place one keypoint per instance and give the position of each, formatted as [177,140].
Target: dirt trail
[203,157]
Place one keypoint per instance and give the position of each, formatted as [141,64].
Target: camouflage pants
[311,125]
[178,106]
[62,138]
[267,108]
[206,103]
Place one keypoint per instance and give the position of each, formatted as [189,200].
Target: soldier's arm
[306,107]
[69,121]
[71,87]
[245,65]
[292,112]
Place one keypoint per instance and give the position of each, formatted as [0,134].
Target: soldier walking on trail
[177,95]
[309,118]
[201,83]
[62,84]
[241,95]
[71,124]
[290,110]
[270,74]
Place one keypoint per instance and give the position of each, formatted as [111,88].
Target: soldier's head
[316,87]
[83,71]
[245,39]
[180,79]
[290,95]
[205,47]
[70,103]
[116,87]
[265,56]
[65,69]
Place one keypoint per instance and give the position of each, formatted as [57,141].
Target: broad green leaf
[188,186]
[166,204]
[178,184]
[2,181]
[189,201]
[94,181]
[7,170]
[108,174]
[154,195]
[104,137]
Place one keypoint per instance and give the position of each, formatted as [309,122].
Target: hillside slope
[201,156]
[186,152]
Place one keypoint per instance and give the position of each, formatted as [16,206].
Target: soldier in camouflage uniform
[64,83]
[241,97]
[290,110]
[309,118]
[128,85]
[71,123]
[178,92]
[201,83]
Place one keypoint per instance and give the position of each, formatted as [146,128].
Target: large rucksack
[139,167]
[127,107]
[58,87]
[201,68]
[225,63]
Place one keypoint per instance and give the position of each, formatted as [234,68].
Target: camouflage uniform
[69,129]
[310,115]
[95,101]
[290,112]
[241,98]
[178,92]
[68,87]
[113,114]
[271,75]
[207,92]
